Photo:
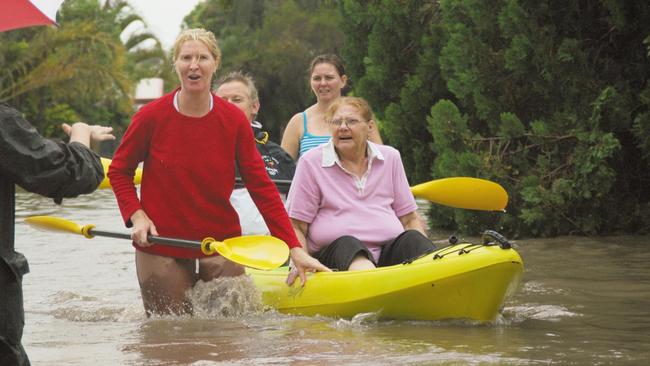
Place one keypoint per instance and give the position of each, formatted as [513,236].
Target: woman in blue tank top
[308,129]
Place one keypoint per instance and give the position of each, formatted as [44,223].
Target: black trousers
[12,316]
[406,246]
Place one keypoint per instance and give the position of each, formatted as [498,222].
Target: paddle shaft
[181,243]
[256,251]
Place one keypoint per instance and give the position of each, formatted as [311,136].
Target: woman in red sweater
[190,141]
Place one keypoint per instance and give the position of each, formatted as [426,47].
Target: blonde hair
[359,103]
[198,34]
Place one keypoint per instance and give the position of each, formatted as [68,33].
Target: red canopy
[25,13]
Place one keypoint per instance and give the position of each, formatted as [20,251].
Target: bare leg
[361,262]
[163,282]
[218,266]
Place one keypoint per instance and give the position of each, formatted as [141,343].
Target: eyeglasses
[348,122]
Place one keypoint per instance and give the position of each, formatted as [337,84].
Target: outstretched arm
[47,167]
[83,133]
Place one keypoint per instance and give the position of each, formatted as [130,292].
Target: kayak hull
[462,281]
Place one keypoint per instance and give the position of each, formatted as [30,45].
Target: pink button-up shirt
[335,202]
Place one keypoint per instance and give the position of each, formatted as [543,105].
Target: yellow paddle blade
[54,224]
[255,251]
[464,192]
[105,184]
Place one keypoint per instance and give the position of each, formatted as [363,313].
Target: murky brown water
[583,301]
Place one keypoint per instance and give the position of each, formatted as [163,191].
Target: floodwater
[583,301]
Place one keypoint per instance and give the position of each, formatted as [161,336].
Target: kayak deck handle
[490,235]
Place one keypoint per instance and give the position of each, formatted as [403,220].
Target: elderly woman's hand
[303,263]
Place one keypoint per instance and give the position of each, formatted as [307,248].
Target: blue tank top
[309,141]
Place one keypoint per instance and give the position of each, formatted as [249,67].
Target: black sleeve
[43,166]
[279,164]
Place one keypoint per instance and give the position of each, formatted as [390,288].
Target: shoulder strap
[304,123]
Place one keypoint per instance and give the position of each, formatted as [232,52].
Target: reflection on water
[582,301]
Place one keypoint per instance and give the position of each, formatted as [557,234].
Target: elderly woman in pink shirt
[350,203]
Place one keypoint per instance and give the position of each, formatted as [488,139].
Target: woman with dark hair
[308,129]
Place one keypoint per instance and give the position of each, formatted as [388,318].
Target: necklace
[177,104]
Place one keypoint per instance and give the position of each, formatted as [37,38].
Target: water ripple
[552,313]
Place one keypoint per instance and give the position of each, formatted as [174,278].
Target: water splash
[225,297]
[359,320]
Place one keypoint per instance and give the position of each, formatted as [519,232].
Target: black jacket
[52,169]
[279,164]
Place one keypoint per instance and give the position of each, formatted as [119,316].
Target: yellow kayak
[461,281]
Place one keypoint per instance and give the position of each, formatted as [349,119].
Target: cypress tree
[550,99]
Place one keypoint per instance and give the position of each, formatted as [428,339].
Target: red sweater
[189,174]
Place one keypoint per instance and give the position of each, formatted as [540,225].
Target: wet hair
[328,58]
[359,103]
[198,34]
[245,79]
